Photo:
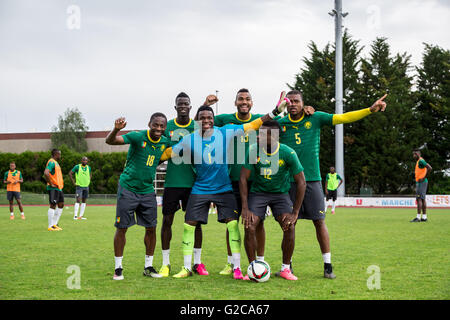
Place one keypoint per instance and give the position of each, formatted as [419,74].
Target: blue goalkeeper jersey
[210,158]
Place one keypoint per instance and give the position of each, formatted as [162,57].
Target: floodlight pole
[339,129]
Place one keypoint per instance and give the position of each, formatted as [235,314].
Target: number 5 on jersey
[297,138]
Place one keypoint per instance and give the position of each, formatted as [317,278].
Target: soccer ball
[258,271]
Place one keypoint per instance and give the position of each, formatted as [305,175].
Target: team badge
[118,219]
[171,133]
[163,147]
[308,125]
[283,128]
[144,144]
[280,162]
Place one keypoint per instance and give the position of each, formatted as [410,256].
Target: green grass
[413,259]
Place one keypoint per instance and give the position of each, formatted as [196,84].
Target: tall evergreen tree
[383,143]
[433,111]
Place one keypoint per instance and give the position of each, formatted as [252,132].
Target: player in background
[270,188]
[209,147]
[332,182]
[421,173]
[178,185]
[55,184]
[13,178]
[83,175]
[301,132]
[136,193]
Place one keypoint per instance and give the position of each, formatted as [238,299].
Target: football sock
[188,239]
[165,256]
[259,258]
[236,261]
[234,236]
[326,206]
[118,262]
[188,262]
[83,207]
[230,259]
[148,261]
[418,216]
[197,255]
[285,266]
[22,213]
[57,215]
[424,216]
[334,206]
[12,213]
[326,257]
[76,207]
[235,242]
[51,213]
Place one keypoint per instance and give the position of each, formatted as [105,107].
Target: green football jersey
[241,143]
[270,177]
[142,159]
[303,136]
[178,175]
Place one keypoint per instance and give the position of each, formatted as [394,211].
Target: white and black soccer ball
[258,271]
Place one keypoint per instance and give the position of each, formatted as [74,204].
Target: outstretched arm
[353,116]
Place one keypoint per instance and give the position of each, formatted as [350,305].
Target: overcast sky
[131,58]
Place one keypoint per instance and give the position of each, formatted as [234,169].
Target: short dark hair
[273,124]
[12,162]
[242,90]
[181,95]
[54,151]
[203,108]
[156,115]
[295,91]
[417,150]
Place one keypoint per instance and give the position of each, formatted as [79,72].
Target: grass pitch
[413,258]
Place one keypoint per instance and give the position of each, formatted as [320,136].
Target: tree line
[378,149]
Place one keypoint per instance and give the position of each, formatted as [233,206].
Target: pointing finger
[382,98]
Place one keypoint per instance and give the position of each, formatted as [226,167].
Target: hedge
[106,169]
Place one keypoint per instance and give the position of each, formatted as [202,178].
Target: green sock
[234,236]
[188,239]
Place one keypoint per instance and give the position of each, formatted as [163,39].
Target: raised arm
[353,116]
[112,138]
[283,102]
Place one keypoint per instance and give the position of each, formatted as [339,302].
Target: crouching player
[273,164]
